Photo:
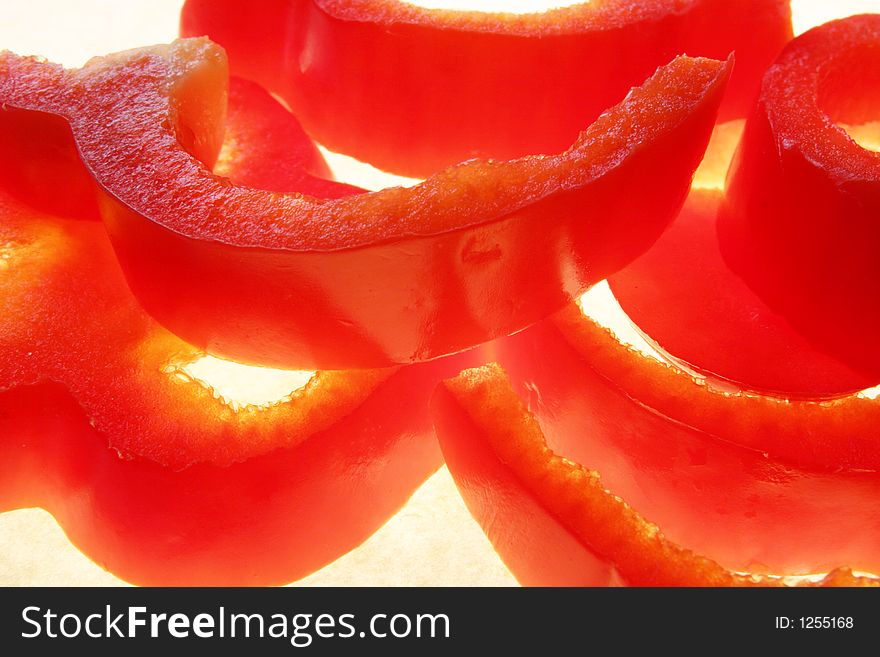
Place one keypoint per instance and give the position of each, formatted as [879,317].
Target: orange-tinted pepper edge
[496,451]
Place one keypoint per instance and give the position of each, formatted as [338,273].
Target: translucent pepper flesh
[150,471]
[412,90]
[403,275]
[693,307]
[553,518]
[800,215]
[629,467]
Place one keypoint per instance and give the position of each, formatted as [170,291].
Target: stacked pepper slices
[155,209]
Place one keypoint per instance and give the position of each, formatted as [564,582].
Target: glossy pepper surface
[412,90]
[630,467]
[554,518]
[150,471]
[402,275]
[800,219]
[694,308]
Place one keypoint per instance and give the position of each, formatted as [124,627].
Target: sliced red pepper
[148,471]
[760,483]
[402,275]
[683,295]
[265,147]
[412,90]
[554,522]
[822,435]
[40,164]
[740,478]
[800,218]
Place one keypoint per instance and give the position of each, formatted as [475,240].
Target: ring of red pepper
[557,506]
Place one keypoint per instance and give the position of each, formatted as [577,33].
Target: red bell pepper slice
[148,471]
[800,217]
[402,275]
[265,147]
[553,521]
[683,295]
[412,90]
[762,484]
[742,478]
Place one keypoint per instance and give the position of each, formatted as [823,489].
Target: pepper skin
[552,520]
[799,222]
[266,148]
[697,311]
[413,90]
[149,472]
[756,482]
[397,276]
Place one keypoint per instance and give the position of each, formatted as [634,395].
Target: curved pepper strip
[646,427]
[264,147]
[689,303]
[150,473]
[821,435]
[552,520]
[412,90]
[800,217]
[401,275]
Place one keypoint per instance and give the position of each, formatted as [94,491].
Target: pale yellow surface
[432,540]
